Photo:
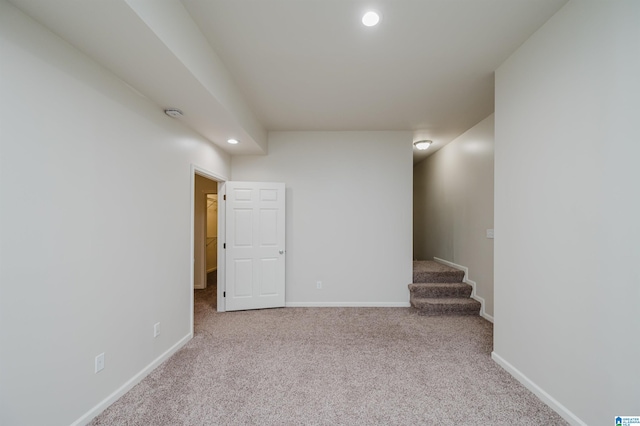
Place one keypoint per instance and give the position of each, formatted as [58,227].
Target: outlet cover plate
[99,362]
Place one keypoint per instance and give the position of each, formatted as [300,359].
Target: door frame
[197,170]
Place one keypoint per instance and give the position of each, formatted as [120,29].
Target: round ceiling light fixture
[423,144]
[371,18]
[233,141]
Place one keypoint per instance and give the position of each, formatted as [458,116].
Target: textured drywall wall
[349,198]
[567,284]
[95,227]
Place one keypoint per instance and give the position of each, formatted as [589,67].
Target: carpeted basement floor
[330,366]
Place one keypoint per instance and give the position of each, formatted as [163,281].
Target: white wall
[453,206]
[567,211]
[89,260]
[348,214]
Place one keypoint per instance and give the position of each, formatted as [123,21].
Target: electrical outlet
[319,285]
[156,329]
[100,362]
[490,233]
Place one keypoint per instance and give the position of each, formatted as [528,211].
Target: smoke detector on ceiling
[173,112]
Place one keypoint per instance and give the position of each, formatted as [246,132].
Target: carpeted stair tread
[436,290]
[446,306]
[429,271]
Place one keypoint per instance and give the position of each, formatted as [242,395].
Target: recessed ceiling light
[422,145]
[370,18]
[233,141]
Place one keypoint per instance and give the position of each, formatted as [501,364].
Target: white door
[255,245]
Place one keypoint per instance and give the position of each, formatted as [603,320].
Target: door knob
[281,251]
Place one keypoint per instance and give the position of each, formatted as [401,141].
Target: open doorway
[205,243]
[211,256]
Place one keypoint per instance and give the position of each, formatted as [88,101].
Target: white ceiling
[267,65]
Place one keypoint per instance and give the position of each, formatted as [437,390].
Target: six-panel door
[255,251]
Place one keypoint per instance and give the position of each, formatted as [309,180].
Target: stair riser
[448,309]
[442,314]
[454,306]
[426,292]
[438,277]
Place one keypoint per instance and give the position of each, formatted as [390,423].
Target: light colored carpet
[430,271]
[331,366]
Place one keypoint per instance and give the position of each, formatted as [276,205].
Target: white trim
[483,314]
[192,252]
[208,174]
[474,295]
[102,405]
[347,305]
[538,391]
[222,253]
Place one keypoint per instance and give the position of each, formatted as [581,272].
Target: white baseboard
[538,391]
[89,415]
[348,305]
[474,295]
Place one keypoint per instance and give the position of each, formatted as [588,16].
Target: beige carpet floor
[330,366]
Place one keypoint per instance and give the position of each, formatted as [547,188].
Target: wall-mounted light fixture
[422,145]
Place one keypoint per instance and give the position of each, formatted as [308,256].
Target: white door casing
[255,245]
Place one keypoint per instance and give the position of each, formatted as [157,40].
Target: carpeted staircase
[438,289]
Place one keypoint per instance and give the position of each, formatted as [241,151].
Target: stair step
[429,271]
[439,290]
[446,306]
